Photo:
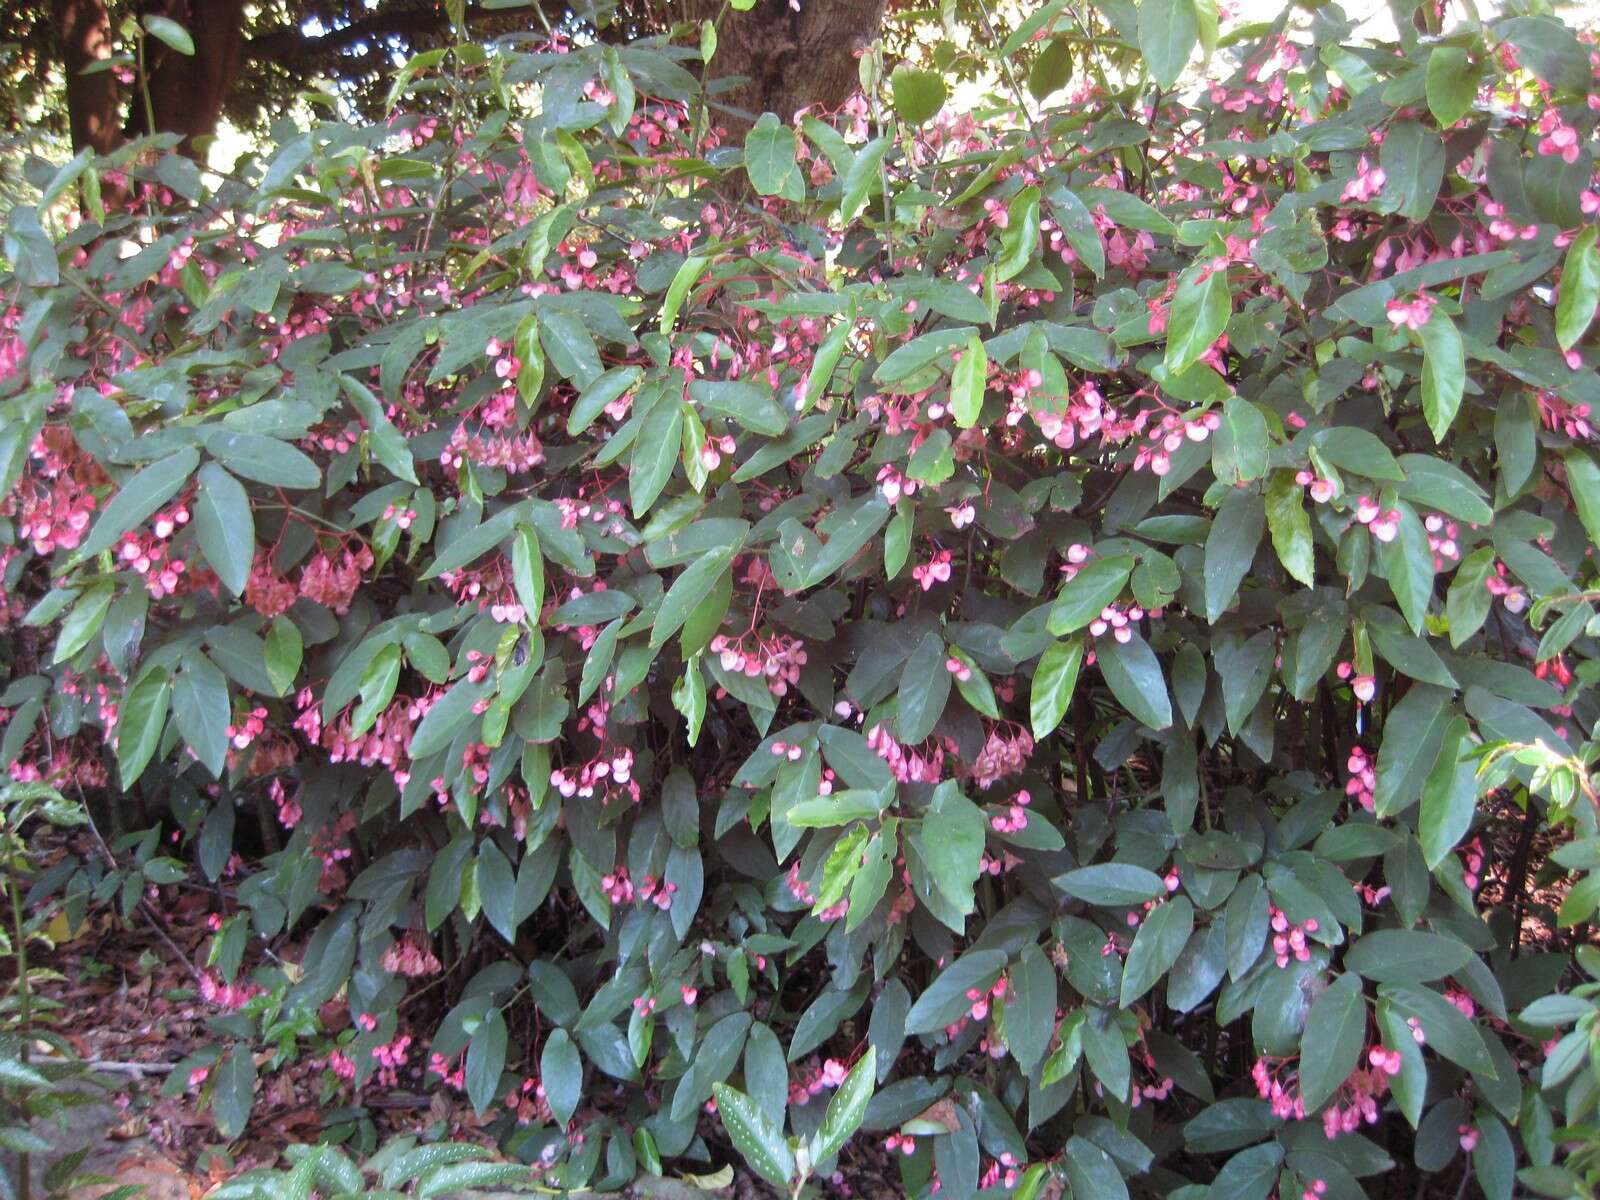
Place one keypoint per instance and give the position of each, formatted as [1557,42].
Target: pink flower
[1412,314]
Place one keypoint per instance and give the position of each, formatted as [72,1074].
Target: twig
[144,907]
[115,1068]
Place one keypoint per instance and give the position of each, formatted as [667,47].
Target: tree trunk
[795,54]
[83,29]
[188,93]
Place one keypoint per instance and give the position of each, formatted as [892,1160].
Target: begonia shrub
[1042,646]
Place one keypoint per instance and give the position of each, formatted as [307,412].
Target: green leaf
[862,177]
[225,526]
[1134,675]
[1437,484]
[1468,602]
[1580,289]
[689,589]
[846,1109]
[1161,938]
[233,1091]
[283,651]
[1449,797]
[1112,885]
[1092,1172]
[655,453]
[486,1060]
[377,688]
[1359,451]
[1097,583]
[1169,30]
[530,378]
[1408,566]
[200,707]
[1412,735]
[1054,680]
[769,159]
[686,276]
[1413,161]
[756,1137]
[1448,1032]
[141,717]
[1549,49]
[165,29]
[1051,69]
[1231,548]
[751,406]
[924,689]
[388,444]
[967,383]
[1250,1174]
[1198,316]
[1020,238]
[439,725]
[1444,373]
[1077,223]
[139,498]
[561,1072]
[569,346]
[918,94]
[527,572]
[1240,449]
[1290,527]
[951,840]
[1330,1047]
[262,459]
[84,621]
[946,997]
[476,542]
[1406,956]
[1028,1019]
[1583,481]
[1452,84]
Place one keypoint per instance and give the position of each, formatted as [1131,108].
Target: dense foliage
[1041,648]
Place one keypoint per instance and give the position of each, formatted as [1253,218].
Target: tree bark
[83,31]
[186,92]
[795,54]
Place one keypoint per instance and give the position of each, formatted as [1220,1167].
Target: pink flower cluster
[1472,859]
[1014,817]
[1356,1101]
[1507,231]
[242,734]
[893,484]
[1384,526]
[907,767]
[1365,687]
[412,957]
[1557,138]
[226,995]
[1411,314]
[1289,939]
[1004,753]
[777,660]
[1512,596]
[1169,435]
[1002,1172]
[332,582]
[935,570]
[1119,621]
[150,554]
[1368,182]
[585,781]
[1363,777]
[819,1079]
